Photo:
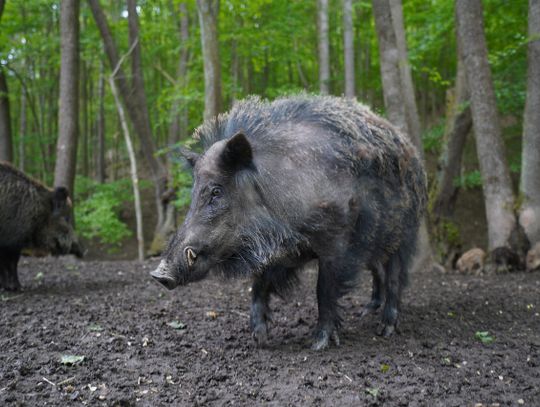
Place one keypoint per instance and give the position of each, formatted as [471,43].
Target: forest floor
[145,346]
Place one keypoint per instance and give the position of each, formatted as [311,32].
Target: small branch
[166,74]
[48,381]
[66,381]
[122,59]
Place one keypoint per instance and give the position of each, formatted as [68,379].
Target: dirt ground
[145,346]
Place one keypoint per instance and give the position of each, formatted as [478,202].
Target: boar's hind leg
[329,289]
[9,279]
[395,282]
[274,280]
[377,293]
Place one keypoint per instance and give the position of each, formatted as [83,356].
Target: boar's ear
[190,156]
[60,198]
[237,153]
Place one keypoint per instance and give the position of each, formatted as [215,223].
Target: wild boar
[31,216]
[305,177]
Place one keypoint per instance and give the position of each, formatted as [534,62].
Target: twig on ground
[48,381]
[66,381]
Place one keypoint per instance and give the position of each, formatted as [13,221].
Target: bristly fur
[386,150]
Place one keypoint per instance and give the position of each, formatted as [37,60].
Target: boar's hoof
[322,339]
[260,335]
[387,330]
[11,285]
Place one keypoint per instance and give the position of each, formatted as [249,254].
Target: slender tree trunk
[135,101]
[459,124]
[324,46]
[22,132]
[6,141]
[179,120]
[411,110]
[208,18]
[348,45]
[100,127]
[84,111]
[133,169]
[498,195]
[6,144]
[530,170]
[68,112]
[389,56]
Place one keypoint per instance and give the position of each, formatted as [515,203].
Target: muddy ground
[118,319]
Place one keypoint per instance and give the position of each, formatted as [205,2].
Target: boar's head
[57,234]
[226,199]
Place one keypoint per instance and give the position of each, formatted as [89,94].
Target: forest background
[177,62]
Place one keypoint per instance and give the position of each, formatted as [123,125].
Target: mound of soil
[464,340]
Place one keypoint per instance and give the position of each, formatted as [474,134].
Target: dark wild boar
[31,216]
[301,178]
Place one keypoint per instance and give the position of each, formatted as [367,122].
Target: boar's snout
[164,276]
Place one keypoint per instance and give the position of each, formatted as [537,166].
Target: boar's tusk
[191,256]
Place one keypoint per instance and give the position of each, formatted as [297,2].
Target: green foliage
[182,181]
[469,180]
[433,138]
[97,209]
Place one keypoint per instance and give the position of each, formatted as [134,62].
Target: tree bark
[324,46]
[6,144]
[459,124]
[496,183]
[133,169]
[179,118]
[530,170]
[208,18]
[348,45]
[68,112]
[100,127]
[22,132]
[411,110]
[389,59]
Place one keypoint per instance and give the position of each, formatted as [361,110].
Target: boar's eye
[215,193]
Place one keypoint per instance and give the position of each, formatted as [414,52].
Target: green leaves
[484,337]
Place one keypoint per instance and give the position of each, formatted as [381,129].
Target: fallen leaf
[38,276]
[385,368]
[95,328]
[484,337]
[374,392]
[71,359]
[211,314]
[176,325]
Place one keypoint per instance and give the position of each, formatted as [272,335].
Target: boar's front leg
[260,308]
[9,279]
[274,280]
[330,287]
[377,293]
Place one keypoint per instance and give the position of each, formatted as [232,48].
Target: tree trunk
[178,114]
[133,170]
[459,124]
[208,18]
[324,47]
[68,112]
[100,152]
[411,110]
[348,45]
[135,101]
[22,132]
[530,170]
[498,195]
[6,141]
[6,147]
[389,56]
